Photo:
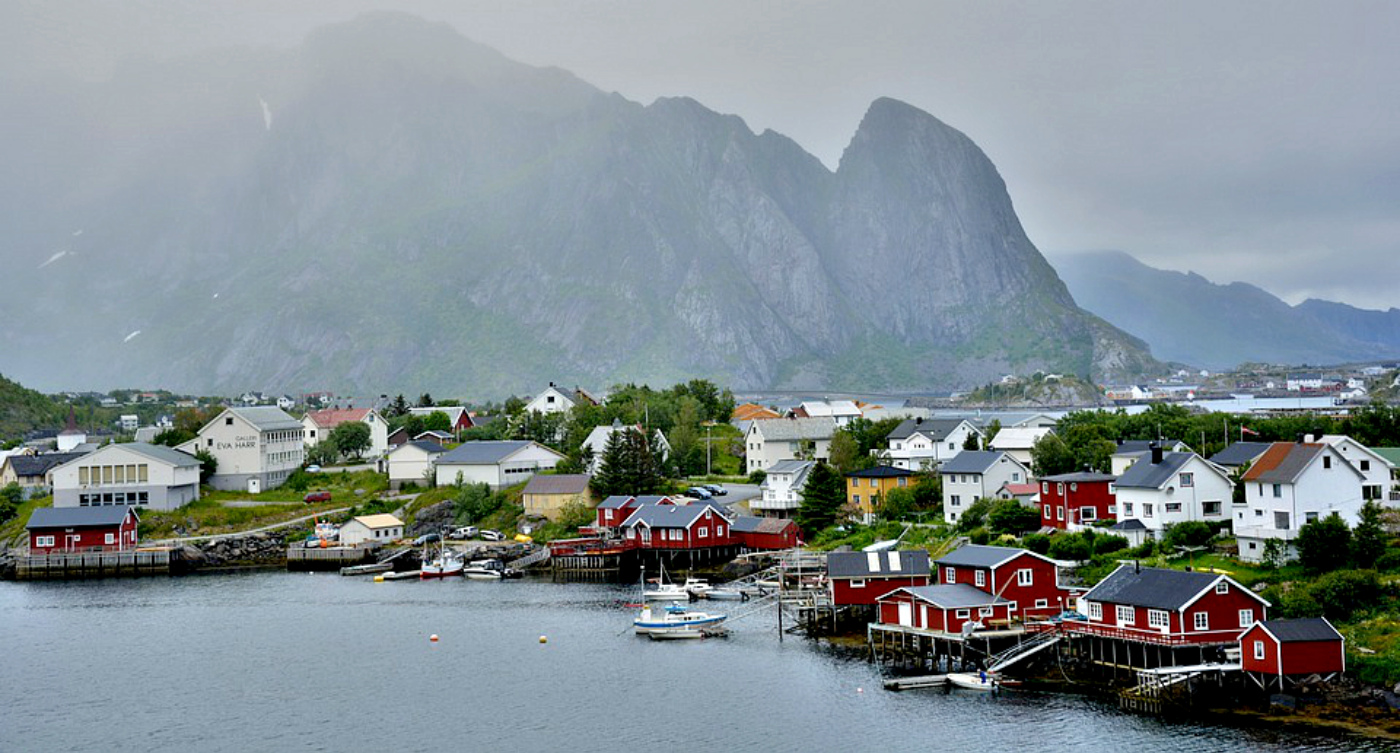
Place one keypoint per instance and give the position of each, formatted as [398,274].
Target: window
[981,578]
[1326,461]
[855,498]
[950,575]
[1044,487]
[1127,508]
[1025,577]
[1042,603]
[110,538]
[1146,509]
[903,481]
[1048,515]
[1222,588]
[1113,510]
[1211,507]
[984,612]
[704,532]
[1278,490]
[43,541]
[1365,466]
[1095,610]
[228,421]
[963,614]
[1259,650]
[954,501]
[1258,513]
[1157,618]
[1060,489]
[1188,479]
[1016,476]
[1074,487]
[82,476]
[1059,513]
[1309,517]
[1112,490]
[859,583]
[1172,507]
[1087,513]
[1201,620]
[1371,491]
[1125,615]
[1246,617]
[1281,520]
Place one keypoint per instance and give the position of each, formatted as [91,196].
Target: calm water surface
[291,661]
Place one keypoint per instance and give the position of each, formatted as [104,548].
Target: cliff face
[392,206]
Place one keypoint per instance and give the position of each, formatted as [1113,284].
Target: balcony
[1266,532]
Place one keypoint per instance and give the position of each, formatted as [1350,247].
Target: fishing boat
[447,564]
[490,569]
[664,591]
[697,587]
[675,619]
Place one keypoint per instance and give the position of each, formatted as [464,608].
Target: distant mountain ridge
[392,206]
[1188,319]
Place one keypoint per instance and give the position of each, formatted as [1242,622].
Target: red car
[316,497]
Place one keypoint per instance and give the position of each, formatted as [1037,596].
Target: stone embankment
[265,548]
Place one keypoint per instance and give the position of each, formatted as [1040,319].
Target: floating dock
[83,565]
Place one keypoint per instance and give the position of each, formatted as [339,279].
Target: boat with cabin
[675,621]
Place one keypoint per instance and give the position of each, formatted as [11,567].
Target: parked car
[313,469]
[465,532]
[316,497]
[715,489]
[490,535]
[427,538]
[698,493]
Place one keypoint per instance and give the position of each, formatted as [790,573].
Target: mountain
[1188,319]
[391,206]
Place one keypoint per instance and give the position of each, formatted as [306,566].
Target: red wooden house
[1031,582]
[614,511]
[863,577]
[1070,501]
[1281,651]
[668,526]
[757,534]
[942,608]
[56,530]
[1169,607]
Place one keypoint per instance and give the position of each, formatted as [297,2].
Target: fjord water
[294,661]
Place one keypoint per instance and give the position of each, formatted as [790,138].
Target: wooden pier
[329,558]
[82,565]
[914,683]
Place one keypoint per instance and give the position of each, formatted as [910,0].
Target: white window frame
[858,583]
[981,578]
[1042,603]
[1200,621]
[1095,611]
[1125,615]
[109,538]
[1222,588]
[950,575]
[1259,651]
[1246,618]
[986,611]
[1025,577]
[1158,618]
[963,614]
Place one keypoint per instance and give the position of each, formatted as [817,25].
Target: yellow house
[547,494]
[865,488]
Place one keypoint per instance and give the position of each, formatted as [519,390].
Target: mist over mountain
[391,206]
[1189,319]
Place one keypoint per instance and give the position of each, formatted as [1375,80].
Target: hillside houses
[922,443]
[771,441]
[256,448]
[780,494]
[974,474]
[1171,487]
[1289,486]
[554,399]
[843,412]
[319,424]
[597,442]
[1017,441]
[496,464]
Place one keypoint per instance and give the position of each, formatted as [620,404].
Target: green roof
[1389,453]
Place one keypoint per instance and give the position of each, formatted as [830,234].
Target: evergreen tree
[822,498]
[399,407]
[631,465]
[1324,545]
[1369,539]
[425,401]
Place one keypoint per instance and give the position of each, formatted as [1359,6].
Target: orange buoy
[433,638]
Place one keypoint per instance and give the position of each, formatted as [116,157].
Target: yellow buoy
[544,639]
[433,638]
[378,579]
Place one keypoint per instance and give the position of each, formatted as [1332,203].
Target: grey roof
[954,596]
[1309,629]
[1145,475]
[1131,524]
[1132,446]
[976,555]
[788,429]
[651,499]
[1151,587]
[857,564]
[798,468]
[557,483]
[38,465]
[971,461]
[431,448]
[936,429]
[750,524]
[615,501]
[483,453]
[161,452]
[1284,462]
[1081,477]
[881,471]
[77,517]
[266,418]
[147,434]
[667,516]
[1239,453]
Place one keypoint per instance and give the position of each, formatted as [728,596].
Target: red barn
[756,534]
[57,530]
[1031,582]
[863,577]
[1279,650]
[947,609]
[668,526]
[1073,500]
[1169,607]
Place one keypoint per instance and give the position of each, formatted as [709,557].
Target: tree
[685,439]
[631,465]
[173,437]
[1010,516]
[1050,456]
[399,407]
[976,514]
[474,502]
[1369,539]
[11,496]
[1070,546]
[845,452]
[1188,533]
[1324,544]
[991,433]
[351,438]
[973,442]
[208,465]
[425,401]
[436,421]
[897,503]
[822,498]
[322,453]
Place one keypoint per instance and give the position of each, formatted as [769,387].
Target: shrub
[1188,533]
[1036,542]
[1324,545]
[1341,594]
[1389,562]
[758,476]
[1070,547]
[979,536]
[1142,551]
[1010,516]
[1109,544]
[975,515]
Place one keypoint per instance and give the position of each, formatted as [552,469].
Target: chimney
[1302,438]
[1156,453]
[919,421]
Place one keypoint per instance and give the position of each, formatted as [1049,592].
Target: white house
[1017,441]
[497,464]
[1172,487]
[1132,450]
[1289,486]
[1035,421]
[412,463]
[925,442]
[129,422]
[382,528]
[1297,382]
[780,494]
[144,475]
[256,448]
[976,474]
[318,425]
[770,441]
[557,400]
[841,411]
[597,442]
[1376,469]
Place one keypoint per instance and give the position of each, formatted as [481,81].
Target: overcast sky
[1245,141]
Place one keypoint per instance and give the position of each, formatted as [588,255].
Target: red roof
[1020,489]
[331,418]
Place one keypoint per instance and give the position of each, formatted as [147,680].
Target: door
[254,485]
[923,616]
[906,614]
[70,541]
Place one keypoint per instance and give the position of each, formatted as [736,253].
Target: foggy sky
[1244,141]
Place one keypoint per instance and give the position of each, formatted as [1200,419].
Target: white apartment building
[775,439]
[257,448]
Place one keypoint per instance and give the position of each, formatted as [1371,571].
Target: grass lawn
[12,532]
[208,516]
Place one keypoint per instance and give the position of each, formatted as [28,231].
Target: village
[982,550]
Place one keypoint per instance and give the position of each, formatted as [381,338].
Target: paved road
[273,527]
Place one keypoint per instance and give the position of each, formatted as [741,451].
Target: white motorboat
[697,587]
[980,681]
[675,619]
[664,591]
[442,566]
[485,570]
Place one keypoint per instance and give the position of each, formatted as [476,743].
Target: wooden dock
[913,683]
[82,565]
[329,558]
